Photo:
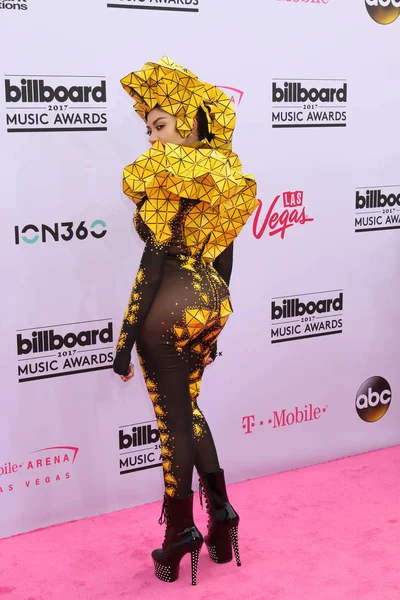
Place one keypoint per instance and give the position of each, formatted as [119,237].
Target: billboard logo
[377,209]
[309,103]
[139,447]
[188,6]
[306,316]
[55,103]
[66,349]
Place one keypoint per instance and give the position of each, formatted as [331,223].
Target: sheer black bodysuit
[178,306]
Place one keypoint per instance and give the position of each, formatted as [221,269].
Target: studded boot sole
[168,570]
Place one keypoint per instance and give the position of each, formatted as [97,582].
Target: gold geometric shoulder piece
[137,175]
[236,213]
[196,173]
[166,173]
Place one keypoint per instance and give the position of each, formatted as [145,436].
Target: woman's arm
[223,265]
[144,290]
[224,262]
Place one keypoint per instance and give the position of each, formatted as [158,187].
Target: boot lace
[202,493]
[164,518]
[164,513]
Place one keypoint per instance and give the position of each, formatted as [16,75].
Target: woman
[192,201]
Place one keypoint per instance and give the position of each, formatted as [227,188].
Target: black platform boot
[223,520]
[181,537]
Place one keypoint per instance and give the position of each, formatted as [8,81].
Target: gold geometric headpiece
[180,93]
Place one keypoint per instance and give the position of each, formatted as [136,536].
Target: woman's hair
[202,126]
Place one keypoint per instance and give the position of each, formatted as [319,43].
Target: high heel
[223,520]
[233,533]
[181,537]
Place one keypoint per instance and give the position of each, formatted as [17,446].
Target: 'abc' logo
[383,11]
[373,399]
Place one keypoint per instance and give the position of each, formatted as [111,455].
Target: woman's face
[161,126]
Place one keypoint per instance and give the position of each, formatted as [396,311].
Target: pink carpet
[327,532]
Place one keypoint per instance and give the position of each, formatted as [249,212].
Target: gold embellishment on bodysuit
[214,317]
[154,397]
[226,308]
[181,343]
[121,341]
[194,389]
[161,425]
[195,375]
[167,465]
[196,317]
[188,264]
[197,430]
[210,335]
[151,385]
[164,437]
[130,314]
[169,478]
[159,411]
[167,443]
[197,413]
[165,451]
[179,331]
[197,348]
[214,275]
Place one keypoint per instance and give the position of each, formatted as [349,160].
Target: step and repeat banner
[307,369]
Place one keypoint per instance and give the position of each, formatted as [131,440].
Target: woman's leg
[167,380]
[206,457]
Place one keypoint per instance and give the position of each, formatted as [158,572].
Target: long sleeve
[144,290]
[224,262]
[223,265]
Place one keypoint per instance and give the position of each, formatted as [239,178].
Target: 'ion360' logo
[66,231]
[383,11]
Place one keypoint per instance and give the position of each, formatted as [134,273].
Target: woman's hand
[131,373]
[122,363]
[213,354]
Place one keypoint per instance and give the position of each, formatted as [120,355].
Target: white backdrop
[64,433]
